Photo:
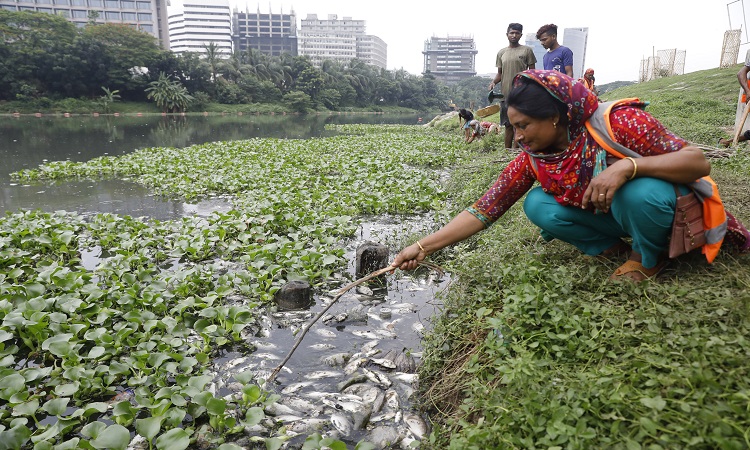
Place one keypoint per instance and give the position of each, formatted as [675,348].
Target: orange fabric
[714,215]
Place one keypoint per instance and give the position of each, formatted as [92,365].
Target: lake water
[411,299]
[28,141]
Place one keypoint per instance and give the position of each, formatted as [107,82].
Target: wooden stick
[742,124]
[341,292]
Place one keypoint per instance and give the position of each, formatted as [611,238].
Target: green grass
[536,348]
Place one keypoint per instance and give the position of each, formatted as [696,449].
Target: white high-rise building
[145,15]
[450,59]
[576,39]
[539,51]
[194,24]
[339,40]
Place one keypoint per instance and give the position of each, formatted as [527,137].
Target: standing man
[558,57]
[745,96]
[510,60]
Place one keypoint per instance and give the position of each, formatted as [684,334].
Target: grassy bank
[537,350]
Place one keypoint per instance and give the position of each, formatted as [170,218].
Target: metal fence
[730,49]
[665,63]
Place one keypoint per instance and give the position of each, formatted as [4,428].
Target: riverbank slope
[537,350]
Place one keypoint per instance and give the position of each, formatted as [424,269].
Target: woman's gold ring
[601,195]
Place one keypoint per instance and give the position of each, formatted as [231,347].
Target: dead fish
[391,399]
[278,409]
[354,364]
[404,307]
[405,363]
[364,290]
[298,404]
[325,333]
[365,334]
[370,345]
[307,426]
[383,417]
[377,377]
[418,327]
[410,378]
[295,387]
[320,374]
[264,345]
[377,403]
[338,359]
[384,362]
[342,423]
[322,346]
[266,356]
[416,425]
[356,379]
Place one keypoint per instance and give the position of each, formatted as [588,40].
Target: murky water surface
[366,325]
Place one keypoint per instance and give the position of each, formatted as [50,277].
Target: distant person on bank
[509,61]
[742,78]
[584,198]
[589,81]
[558,57]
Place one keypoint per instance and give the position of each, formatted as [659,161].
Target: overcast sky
[621,34]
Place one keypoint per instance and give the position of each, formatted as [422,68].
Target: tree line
[44,57]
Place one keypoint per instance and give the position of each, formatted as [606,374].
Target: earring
[554,124]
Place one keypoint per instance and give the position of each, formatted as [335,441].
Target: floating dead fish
[384,362]
[365,334]
[320,374]
[409,378]
[391,399]
[383,436]
[418,327]
[299,404]
[364,290]
[416,425]
[307,426]
[322,346]
[405,363]
[287,418]
[325,333]
[278,409]
[354,364]
[368,346]
[295,387]
[404,307]
[337,359]
[390,415]
[264,345]
[377,377]
[342,423]
[350,381]
[266,356]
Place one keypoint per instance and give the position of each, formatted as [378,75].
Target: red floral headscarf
[566,175]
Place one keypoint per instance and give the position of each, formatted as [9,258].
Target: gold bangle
[420,247]
[635,167]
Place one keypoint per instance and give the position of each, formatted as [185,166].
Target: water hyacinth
[147,315]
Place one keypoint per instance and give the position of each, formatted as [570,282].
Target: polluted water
[354,375]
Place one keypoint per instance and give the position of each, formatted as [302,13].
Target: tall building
[576,39]
[539,51]
[272,34]
[450,59]
[194,24]
[146,15]
[339,40]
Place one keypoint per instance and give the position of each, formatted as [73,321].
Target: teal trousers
[642,209]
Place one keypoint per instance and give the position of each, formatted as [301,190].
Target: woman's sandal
[635,271]
[622,248]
